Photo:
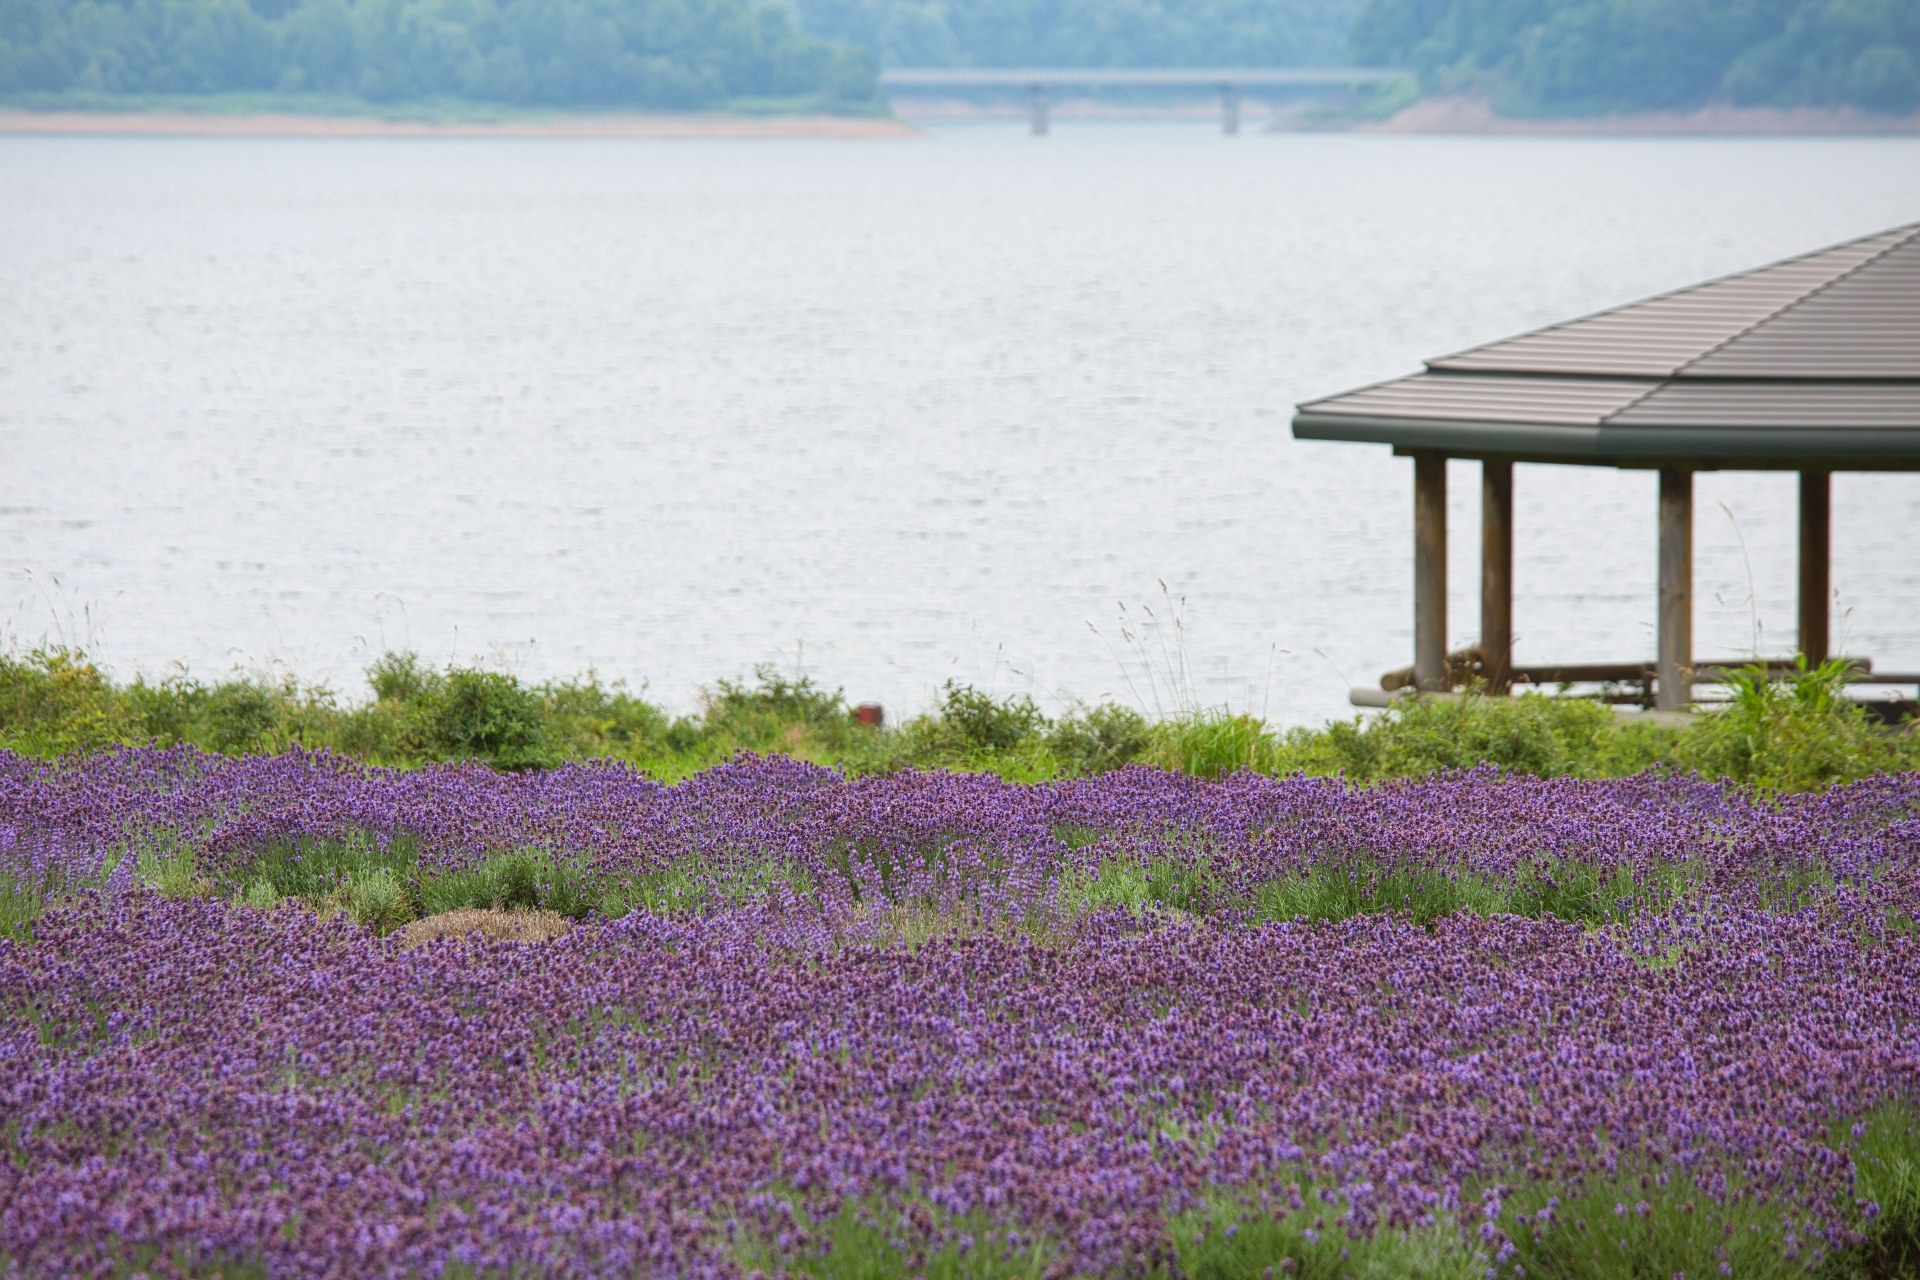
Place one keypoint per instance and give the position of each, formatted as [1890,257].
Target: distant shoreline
[1440,115]
[1476,115]
[287,125]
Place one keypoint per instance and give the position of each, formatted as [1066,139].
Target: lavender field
[942,1025]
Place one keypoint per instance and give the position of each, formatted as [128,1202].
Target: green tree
[1597,55]
[633,53]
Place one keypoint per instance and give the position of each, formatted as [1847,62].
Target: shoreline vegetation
[145,120]
[294,116]
[1793,734]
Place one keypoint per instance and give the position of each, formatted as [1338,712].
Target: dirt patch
[490,923]
[182,124]
[1476,115]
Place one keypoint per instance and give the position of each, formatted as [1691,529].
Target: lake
[885,412]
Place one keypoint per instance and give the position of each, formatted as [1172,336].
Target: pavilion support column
[1816,557]
[1430,571]
[1496,574]
[1040,111]
[1674,670]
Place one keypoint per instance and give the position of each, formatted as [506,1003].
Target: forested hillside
[653,53]
[1089,33]
[1540,56]
[1576,56]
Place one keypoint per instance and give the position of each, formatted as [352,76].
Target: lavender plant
[944,1025]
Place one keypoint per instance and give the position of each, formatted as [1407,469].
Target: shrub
[53,701]
[774,713]
[240,718]
[1795,734]
[1094,739]
[970,720]
[485,714]
[586,719]
[399,677]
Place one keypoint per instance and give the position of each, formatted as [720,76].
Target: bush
[240,718]
[1795,734]
[485,714]
[774,712]
[1095,739]
[53,701]
[972,721]
[1546,737]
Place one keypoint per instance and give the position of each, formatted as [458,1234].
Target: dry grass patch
[490,923]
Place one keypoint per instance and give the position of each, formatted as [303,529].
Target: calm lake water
[887,412]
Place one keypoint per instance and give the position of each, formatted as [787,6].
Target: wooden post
[1496,574]
[1816,516]
[1040,121]
[1430,570]
[1229,109]
[1674,669]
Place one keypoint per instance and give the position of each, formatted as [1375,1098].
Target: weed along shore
[484,978]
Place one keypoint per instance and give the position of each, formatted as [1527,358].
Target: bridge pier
[1227,81]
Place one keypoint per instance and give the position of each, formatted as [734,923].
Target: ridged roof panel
[1659,337]
[1805,406]
[1863,325]
[1566,402]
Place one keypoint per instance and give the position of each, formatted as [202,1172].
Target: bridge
[1228,80]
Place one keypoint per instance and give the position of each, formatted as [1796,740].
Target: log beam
[1430,570]
[1816,558]
[1496,574]
[1674,667]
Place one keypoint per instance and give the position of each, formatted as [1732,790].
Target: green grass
[1793,734]
[1648,1226]
[1583,893]
[1337,889]
[1245,1237]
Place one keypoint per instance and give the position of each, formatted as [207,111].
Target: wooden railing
[1466,666]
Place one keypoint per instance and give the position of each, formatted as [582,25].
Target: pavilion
[1810,365]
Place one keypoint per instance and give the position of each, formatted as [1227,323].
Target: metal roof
[1815,358]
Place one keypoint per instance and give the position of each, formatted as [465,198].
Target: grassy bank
[1795,734]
